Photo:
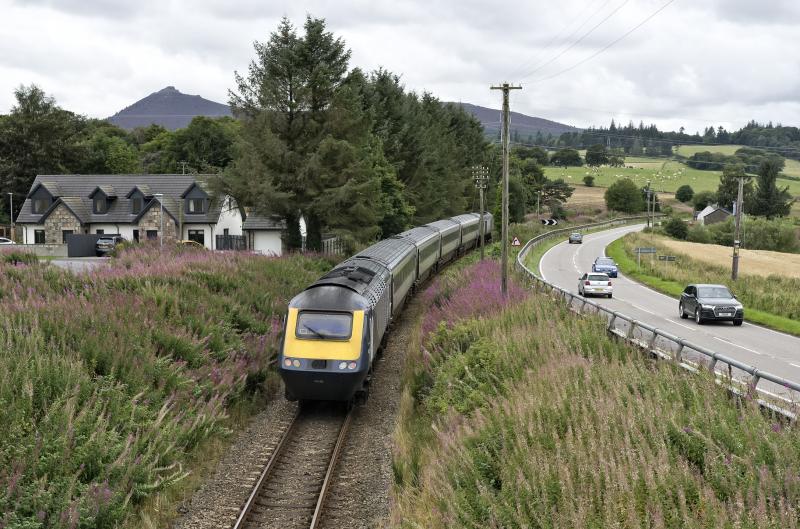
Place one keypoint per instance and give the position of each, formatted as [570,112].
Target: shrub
[676,228]
[623,195]
[699,233]
[703,199]
[684,193]
[588,180]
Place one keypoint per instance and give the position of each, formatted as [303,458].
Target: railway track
[290,492]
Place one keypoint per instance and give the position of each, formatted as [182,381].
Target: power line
[534,60]
[607,46]
[559,55]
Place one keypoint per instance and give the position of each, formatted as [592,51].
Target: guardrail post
[632,328]
[582,307]
[751,385]
[611,321]
[651,345]
[713,364]
[679,353]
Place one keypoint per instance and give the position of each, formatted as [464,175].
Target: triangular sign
[515,242]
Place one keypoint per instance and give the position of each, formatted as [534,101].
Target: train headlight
[287,362]
[351,365]
[342,365]
[296,362]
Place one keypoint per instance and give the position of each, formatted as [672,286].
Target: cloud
[695,64]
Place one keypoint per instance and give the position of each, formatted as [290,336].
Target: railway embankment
[522,414]
[119,388]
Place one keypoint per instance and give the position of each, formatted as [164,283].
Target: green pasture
[688,150]
[666,176]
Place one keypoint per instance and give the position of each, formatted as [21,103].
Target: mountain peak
[170,108]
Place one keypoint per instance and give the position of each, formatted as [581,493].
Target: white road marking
[684,326]
[793,364]
[737,345]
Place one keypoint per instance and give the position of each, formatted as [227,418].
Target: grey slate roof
[74,191]
[260,222]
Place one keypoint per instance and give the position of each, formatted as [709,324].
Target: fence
[330,246]
[741,379]
[231,242]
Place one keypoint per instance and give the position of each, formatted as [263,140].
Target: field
[689,150]
[116,385]
[667,176]
[518,414]
[751,262]
[769,300]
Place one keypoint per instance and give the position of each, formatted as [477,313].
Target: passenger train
[335,328]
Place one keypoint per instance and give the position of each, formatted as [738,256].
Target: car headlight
[707,307]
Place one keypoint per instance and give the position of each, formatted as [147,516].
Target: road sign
[667,258]
[549,222]
[515,242]
[645,250]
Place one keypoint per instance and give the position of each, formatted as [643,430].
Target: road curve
[768,350]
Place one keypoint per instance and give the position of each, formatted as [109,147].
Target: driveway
[79,264]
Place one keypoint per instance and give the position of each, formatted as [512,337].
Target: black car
[106,243]
[710,303]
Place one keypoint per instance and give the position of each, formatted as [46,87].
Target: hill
[169,108]
[523,127]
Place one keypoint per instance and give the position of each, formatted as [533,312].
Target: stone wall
[152,221]
[60,219]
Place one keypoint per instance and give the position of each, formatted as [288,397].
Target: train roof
[388,252]
[444,226]
[466,218]
[363,278]
[418,235]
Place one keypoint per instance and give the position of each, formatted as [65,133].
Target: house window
[226,232]
[100,205]
[100,232]
[195,205]
[152,235]
[136,205]
[64,234]
[38,236]
[198,236]
[135,235]
[40,205]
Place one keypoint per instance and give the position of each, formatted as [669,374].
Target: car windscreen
[105,241]
[598,277]
[713,292]
[324,325]
[605,262]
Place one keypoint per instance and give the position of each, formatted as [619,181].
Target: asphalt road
[768,350]
[78,265]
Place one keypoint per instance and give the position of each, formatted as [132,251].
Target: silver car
[3,240]
[595,284]
[576,237]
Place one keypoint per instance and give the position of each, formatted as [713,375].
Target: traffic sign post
[549,222]
[639,251]
[515,242]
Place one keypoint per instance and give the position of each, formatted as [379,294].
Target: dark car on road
[106,243]
[605,265]
[710,303]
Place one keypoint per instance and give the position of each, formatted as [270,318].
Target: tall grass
[109,380]
[531,417]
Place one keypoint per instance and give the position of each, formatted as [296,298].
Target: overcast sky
[697,62]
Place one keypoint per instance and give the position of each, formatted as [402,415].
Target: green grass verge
[627,265]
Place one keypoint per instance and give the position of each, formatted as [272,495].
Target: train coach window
[324,325]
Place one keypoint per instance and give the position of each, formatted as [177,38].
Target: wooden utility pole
[505,87]
[647,203]
[736,239]
[480,173]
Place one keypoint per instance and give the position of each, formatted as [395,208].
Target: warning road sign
[515,242]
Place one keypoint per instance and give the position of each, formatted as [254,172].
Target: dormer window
[40,205]
[100,204]
[195,205]
[137,203]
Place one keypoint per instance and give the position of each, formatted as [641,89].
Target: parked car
[3,240]
[606,265]
[191,244]
[575,237]
[106,243]
[710,303]
[595,284]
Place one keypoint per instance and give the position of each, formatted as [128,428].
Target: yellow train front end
[326,350]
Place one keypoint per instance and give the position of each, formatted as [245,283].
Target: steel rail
[756,375]
[337,450]
[262,478]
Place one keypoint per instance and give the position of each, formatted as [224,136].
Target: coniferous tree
[728,189]
[770,201]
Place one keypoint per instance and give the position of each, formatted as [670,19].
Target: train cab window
[324,325]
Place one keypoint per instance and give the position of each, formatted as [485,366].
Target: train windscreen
[324,325]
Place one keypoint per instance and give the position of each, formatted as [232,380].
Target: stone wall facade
[152,221]
[59,220]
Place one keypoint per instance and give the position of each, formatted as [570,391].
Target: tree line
[354,153]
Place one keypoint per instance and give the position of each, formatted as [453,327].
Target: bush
[703,199]
[16,257]
[684,193]
[623,195]
[699,233]
[676,228]
[588,180]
